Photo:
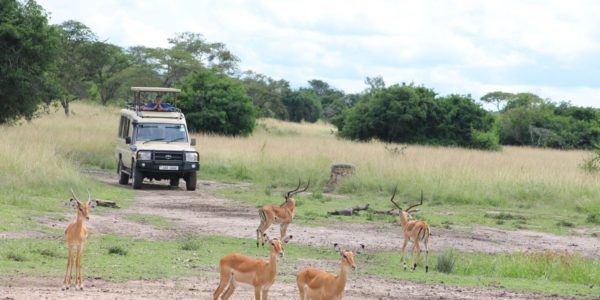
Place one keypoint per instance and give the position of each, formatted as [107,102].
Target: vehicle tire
[174,182]
[136,179]
[190,182]
[123,177]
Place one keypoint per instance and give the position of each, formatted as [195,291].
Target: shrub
[117,250]
[446,261]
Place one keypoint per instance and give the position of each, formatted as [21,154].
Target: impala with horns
[236,268]
[282,214]
[76,233]
[315,284]
[415,231]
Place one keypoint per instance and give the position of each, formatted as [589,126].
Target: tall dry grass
[282,152]
[41,160]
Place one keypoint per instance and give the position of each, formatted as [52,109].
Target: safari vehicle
[154,144]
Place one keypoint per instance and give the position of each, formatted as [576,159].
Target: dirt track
[200,212]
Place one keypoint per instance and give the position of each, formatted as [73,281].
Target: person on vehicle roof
[157,105]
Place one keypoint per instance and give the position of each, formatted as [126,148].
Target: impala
[282,214]
[415,231]
[76,234]
[315,284]
[236,268]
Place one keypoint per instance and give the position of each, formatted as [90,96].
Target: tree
[72,72]
[28,51]
[216,104]
[497,98]
[331,99]
[189,52]
[375,84]
[412,114]
[104,62]
[303,104]
[267,94]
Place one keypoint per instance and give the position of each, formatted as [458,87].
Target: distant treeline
[42,64]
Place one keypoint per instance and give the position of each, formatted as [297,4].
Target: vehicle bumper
[167,167]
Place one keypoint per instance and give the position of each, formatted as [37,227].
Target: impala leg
[283,230]
[67,281]
[265,294]
[257,292]
[78,281]
[73,257]
[426,241]
[403,257]
[225,278]
[415,257]
[230,289]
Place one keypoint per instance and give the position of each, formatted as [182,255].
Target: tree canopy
[28,52]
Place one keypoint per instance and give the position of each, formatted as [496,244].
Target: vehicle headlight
[191,156]
[144,155]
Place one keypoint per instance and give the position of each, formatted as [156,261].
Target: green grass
[312,210]
[118,259]
[155,220]
[545,272]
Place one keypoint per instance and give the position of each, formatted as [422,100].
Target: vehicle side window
[124,127]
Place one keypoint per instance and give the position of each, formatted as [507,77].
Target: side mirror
[128,140]
[193,142]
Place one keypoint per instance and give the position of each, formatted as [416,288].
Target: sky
[549,48]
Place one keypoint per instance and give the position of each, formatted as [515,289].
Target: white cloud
[445,45]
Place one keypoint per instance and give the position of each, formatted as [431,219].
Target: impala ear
[74,203]
[361,249]
[337,248]
[287,239]
[92,203]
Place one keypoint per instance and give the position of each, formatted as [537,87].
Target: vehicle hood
[163,146]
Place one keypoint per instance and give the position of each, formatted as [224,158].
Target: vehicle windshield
[149,132]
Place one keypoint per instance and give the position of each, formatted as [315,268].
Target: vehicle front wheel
[136,179]
[123,177]
[190,182]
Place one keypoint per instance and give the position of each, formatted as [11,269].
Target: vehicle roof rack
[137,105]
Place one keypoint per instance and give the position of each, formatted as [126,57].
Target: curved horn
[421,203]
[290,192]
[74,197]
[303,190]
[89,195]
[392,199]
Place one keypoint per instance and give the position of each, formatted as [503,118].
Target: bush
[117,250]
[216,104]
[446,261]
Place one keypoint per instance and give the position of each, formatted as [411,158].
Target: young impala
[282,214]
[236,268]
[414,230]
[315,284]
[76,234]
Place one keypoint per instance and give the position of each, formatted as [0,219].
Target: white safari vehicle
[155,144]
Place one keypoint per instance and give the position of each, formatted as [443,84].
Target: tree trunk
[65,104]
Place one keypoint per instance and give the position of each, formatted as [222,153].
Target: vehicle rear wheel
[123,177]
[136,179]
[190,182]
[174,181]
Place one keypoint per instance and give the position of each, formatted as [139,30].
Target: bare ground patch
[364,287]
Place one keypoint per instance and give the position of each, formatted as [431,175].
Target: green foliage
[216,104]
[303,105]
[117,250]
[29,50]
[445,262]
[267,94]
[412,114]
[529,120]
[332,100]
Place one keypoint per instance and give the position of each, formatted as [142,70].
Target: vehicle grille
[168,156]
